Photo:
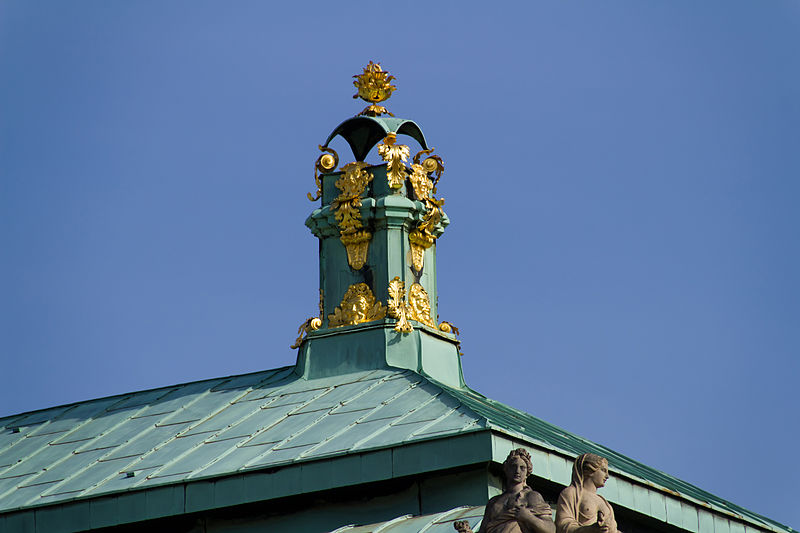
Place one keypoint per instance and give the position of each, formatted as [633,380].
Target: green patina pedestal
[390,214]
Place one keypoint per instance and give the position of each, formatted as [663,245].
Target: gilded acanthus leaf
[358,306]
[397,306]
[395,156]
[421,238]
[346,206]
[352,182]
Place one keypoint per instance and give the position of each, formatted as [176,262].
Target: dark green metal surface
[362,133]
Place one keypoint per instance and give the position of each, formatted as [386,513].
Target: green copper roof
[214,428]
[253,422]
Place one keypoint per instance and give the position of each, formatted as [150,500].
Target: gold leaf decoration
[419,305]
[351,184]
[421,238]
[325,163]
[309,325]
[374,85]
[357,246]
[358,306]
[397,306]
[421,184]
[419,242]
[447,327]
[395,155]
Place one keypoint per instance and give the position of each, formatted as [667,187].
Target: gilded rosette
[358,306]
[395,156]
[352,183]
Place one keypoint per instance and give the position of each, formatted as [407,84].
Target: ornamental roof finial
[374,86]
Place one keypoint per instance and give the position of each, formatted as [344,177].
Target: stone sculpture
[519,509]
[580,509]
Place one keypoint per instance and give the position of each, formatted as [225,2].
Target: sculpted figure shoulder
[519,509]
[580,509]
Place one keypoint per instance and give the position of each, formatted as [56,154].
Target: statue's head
[590,466]
[517,466]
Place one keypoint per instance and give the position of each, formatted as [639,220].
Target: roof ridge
[14,416]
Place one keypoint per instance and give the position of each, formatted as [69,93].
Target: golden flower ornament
[374,85]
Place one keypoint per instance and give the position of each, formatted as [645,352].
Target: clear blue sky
[621,176]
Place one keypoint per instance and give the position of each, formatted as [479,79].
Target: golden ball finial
[374,85]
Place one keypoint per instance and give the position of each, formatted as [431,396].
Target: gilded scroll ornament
[358,306]
[312,324]
[395,156]
[421,238]
[418,307]
[352,183]
[325,163]
[374,85]
[448,327]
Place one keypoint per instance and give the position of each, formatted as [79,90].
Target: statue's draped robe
[569,517]
[501,526]
[503,523]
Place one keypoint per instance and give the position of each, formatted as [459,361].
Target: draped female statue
[580,509]
[519,509]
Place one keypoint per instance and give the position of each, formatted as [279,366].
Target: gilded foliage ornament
[395,156]
[418,307]
[325,163]
[374,85]
[352,183]
[420,304]
[358,306]
[422,183]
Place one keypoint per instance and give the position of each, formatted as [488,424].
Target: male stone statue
[580,509]
[519,509]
